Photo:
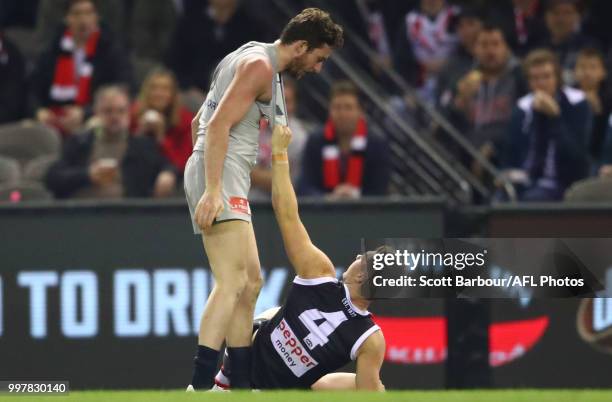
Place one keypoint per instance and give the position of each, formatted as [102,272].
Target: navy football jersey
[317,331]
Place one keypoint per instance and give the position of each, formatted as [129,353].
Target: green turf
[291,396]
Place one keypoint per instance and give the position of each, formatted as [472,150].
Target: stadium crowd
[97,97]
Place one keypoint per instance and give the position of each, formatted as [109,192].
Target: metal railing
[421,164]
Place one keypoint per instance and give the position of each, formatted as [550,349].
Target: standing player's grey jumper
[217,179]
[243,138]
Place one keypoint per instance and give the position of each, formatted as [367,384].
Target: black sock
[226,368]
[205,365]
[240,359]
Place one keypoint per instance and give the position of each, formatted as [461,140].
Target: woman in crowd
[158,112]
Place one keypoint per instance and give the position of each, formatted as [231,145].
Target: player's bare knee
[253,287]
[234,287]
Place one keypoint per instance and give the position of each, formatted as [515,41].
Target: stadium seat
[590,190]
[9,170]
[27,140]
[36,169]
[23,191]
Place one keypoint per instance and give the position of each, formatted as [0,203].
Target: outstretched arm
[195,123]
[370,357]
[309,262]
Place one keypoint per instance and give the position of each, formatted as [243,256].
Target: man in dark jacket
[463,58]
[204,36]
[81,59]
[346,160]
[547,143]
[564,37]
[484,97]
[107,162]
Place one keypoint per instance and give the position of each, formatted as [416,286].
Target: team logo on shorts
[291,350]
[240,205]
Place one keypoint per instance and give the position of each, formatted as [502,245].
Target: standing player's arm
[370,358]
[195,124]
[308,261]
[252,79]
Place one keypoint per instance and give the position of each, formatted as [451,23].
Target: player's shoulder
[374,344]
[316,280]
[256,66]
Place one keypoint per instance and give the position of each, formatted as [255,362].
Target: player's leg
[268,314]
[240,331]
[228,266]
[223,379]
[335,382]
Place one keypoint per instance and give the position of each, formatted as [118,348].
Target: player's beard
[297,67]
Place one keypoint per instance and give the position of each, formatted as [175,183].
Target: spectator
[81,59]
[564,36]
[50,17]
[151,28]
[606,169]
[463,58]
[106,162]
[160,114]
[484,97]
[347,159]
[548,135]
[367,19]
[261,175]
[425,42]
[12,82]
[202,38]
[523,22]
[598,188]
[591,76]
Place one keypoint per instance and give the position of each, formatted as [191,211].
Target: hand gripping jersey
[317,331]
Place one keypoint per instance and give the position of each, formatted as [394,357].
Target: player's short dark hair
[344,87]
[314,26]
[72,3]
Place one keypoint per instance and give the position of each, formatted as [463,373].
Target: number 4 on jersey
[320,331]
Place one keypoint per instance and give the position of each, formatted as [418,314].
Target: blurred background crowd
[477,101]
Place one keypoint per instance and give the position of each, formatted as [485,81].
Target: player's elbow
[195,124]
[218,128]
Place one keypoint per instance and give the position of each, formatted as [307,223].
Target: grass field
[289,396]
